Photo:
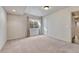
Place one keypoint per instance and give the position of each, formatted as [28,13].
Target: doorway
[75,27]
[34,26]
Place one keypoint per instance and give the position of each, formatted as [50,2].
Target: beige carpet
[39,44]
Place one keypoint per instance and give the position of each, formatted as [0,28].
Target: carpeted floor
[39,44]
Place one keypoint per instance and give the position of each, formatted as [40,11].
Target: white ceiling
[32,10]
[19,9]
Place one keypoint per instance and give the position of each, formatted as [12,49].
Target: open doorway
[34,26]
[75,27]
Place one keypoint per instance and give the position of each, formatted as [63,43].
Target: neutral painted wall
[60,24]
[17,26]
[3,27]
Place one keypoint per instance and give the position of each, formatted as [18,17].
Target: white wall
[60,24]
[17,27]
[3,27]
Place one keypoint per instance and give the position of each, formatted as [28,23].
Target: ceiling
[32,10]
